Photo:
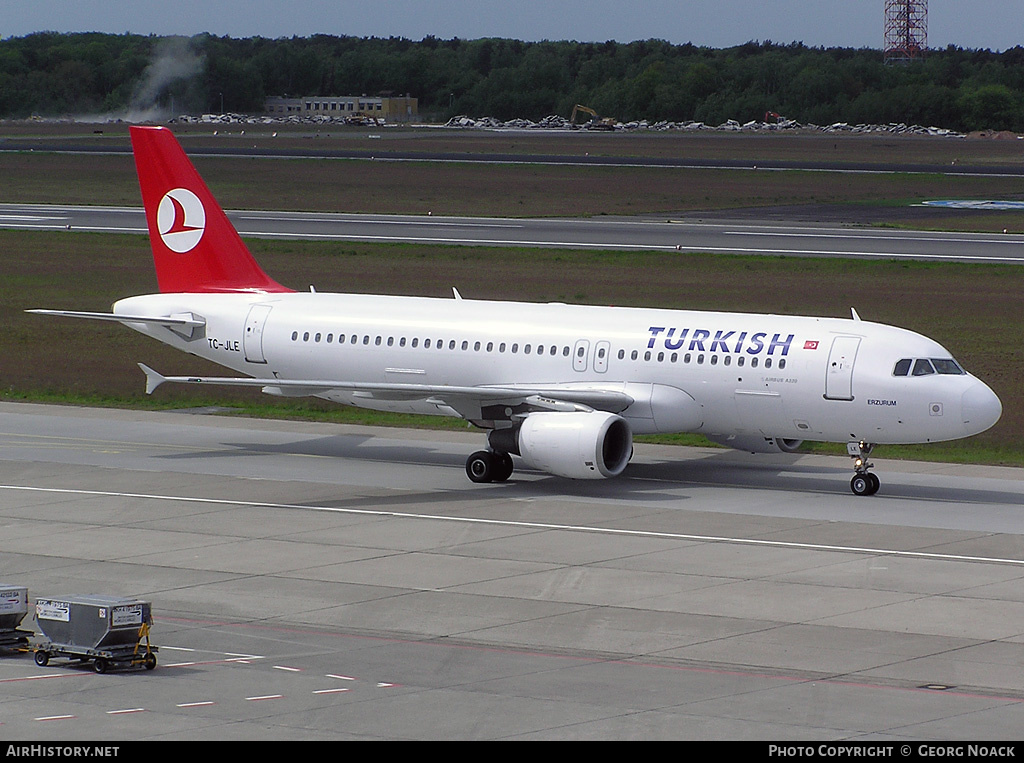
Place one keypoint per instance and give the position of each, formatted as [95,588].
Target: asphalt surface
[392,154]
[315,581]
[683,234]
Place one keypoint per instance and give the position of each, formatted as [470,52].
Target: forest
[53,75]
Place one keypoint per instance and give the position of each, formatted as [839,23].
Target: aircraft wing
[467,401]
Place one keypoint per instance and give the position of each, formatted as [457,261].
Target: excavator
[596,122]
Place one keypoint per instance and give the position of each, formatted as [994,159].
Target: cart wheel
[150,661]
[100,666]
[42,658]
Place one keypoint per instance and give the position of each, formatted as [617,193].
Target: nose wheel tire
[865,484]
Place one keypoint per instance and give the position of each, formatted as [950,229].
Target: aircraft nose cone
[981,408]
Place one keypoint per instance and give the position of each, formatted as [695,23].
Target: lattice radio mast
[906,30]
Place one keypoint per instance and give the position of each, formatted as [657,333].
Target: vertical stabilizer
[195,246]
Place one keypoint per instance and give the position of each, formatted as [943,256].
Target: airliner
[564,388]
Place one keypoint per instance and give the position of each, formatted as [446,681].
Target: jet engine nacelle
[757,443]
[578,444]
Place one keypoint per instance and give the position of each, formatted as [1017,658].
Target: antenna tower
[906,30]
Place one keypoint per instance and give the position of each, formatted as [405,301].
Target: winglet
[153,378]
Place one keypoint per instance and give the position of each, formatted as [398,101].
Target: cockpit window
[923,367]
[947,366]
[927,366]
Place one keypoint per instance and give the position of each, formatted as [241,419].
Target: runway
[317,581]
[685,235]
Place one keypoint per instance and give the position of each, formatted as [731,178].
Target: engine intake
[577,445]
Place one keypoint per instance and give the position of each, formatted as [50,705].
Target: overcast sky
[993,24]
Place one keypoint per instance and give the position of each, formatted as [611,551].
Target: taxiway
[316,581]
[648,233]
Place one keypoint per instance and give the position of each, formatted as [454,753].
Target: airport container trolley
[13,608]
[107,630]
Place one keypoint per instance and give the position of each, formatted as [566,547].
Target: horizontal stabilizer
[154,320]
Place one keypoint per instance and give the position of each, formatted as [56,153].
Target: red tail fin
[195,246]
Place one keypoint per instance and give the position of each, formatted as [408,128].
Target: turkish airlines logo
[181,220]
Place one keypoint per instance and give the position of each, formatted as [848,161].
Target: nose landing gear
[864,482]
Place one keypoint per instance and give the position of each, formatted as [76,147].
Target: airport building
[389,108]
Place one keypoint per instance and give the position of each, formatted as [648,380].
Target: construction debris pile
[555,122]
[358,120]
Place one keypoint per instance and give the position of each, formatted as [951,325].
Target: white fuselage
[720,374]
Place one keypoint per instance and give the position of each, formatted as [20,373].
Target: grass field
[977,311]
[528,190]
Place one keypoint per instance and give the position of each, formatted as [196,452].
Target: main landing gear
[863,482]
[489,466]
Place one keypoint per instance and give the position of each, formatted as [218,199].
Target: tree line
[53,74]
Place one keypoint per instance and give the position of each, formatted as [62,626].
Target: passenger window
[305,336]
[740,360]
[540,349]
[295,335]
[728,360]
[714,360]
[633,355]
[767,362]
[330,338]
[622,354]
[902,367]
[647,355]
[923,367]
[782,363]
[753,362]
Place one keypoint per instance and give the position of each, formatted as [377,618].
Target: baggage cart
[13,608]
[107,630]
